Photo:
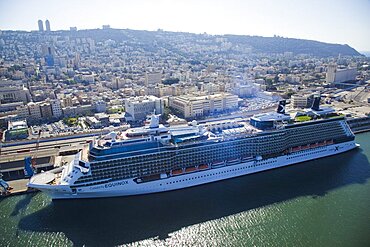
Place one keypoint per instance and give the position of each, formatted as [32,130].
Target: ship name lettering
[116,184]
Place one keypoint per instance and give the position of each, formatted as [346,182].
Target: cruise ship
[155,158]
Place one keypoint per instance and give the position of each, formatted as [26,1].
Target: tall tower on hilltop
[41,26]
[47,26]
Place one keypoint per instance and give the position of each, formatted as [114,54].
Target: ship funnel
[281,107]
[316,103]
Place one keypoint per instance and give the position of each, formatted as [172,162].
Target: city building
[302,100]
[22,112]
[16,130]
[335,75]
[103,118]
[93,122]
[67,101]
[56,108]
[10,106]
[100,106]
[245,91]
[41,25]
[69,111]
[46,111]
[192,106]
[139,107]
[4,120]
[14,94]
[35,111]
[47,26]
[152,78]
[83,110]
[48,52]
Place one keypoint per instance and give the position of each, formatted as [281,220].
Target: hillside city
[55,83]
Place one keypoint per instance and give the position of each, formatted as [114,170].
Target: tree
[71,121]
[166,113]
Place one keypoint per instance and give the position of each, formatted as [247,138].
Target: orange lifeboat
[203,167]
[190,169]
[176,172]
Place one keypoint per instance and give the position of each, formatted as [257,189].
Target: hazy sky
[334,21]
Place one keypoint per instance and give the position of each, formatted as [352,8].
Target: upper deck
[155,137]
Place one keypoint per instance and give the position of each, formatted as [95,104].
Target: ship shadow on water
[22,204]
[115,221]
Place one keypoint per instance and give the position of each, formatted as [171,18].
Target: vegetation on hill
[172,41]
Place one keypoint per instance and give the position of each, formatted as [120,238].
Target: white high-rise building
[41,25]
[302,100]
[47,25]
[335,75]
[192,106]
[140,107]
[56,108]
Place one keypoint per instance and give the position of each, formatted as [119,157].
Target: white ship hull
[130,187]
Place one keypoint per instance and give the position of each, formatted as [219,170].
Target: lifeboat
[305,147]
[190,169]
[247,158]
[233,161]
[315,145]
[218,164]
[321,144]
[176,172]
[203,167]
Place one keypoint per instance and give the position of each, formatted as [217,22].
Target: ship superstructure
[155,158]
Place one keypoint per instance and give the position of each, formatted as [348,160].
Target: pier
[18,187]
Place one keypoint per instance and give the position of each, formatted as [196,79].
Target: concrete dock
[19,187]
